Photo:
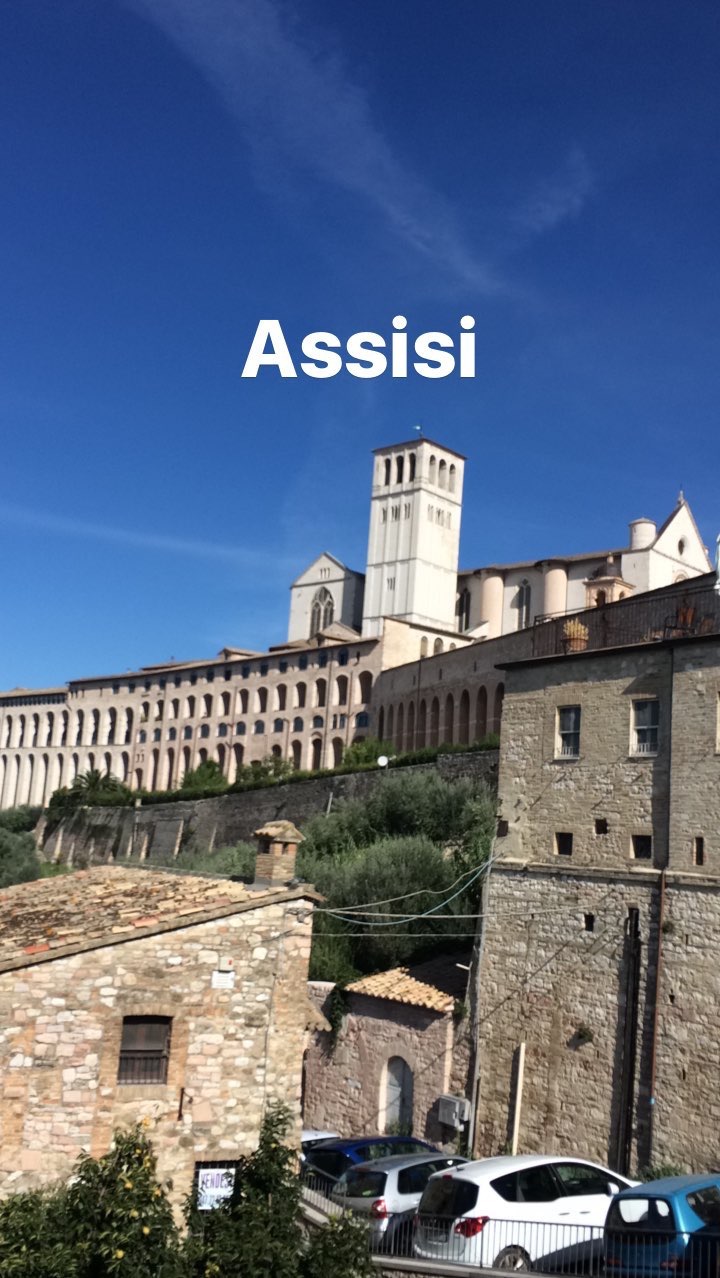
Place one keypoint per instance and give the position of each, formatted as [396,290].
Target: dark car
[326,1162]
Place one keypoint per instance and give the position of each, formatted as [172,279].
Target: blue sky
[176,170]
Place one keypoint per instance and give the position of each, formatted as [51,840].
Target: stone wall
[232,1053]
[542,792]
[158,832]
[557,963]
[345,1078]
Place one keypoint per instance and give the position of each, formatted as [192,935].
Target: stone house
[130,993]
[602,912]
[401,1045]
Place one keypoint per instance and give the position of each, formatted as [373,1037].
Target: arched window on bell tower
[322,611]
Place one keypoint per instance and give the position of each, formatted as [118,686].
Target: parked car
[310,1138]
[326,1161]
[386,1192]
[666,1225]
[517,1212]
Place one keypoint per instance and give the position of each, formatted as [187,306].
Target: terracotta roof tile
[113,904]
[399,986]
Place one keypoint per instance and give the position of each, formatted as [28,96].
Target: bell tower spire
[413,546]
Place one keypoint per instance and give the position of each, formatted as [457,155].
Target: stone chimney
[277,850]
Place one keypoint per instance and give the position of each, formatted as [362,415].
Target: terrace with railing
[686,610]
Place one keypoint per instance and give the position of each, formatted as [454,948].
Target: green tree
[238,860]
[412,868]
[19,861]
[206,776]
[118,1215]
[113,1220]
[89,789]
[34,1242]
[19,820]
[259,1228]
[368,751]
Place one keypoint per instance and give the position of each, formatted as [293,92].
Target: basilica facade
[360,647]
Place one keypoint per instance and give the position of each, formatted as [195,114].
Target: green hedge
[428,754]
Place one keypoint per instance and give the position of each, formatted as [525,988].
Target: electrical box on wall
[453,1111]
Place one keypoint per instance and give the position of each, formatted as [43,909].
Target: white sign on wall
[214,1185]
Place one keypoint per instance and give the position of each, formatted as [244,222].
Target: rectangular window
[601,825]
[567,745]
[698,850]
[144,1049]
[564,844]
[646,717]
[642,847]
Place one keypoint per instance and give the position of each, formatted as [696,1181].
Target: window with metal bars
[144,1049]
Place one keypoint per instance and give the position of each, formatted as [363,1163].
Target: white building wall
[414,536]
[345,586]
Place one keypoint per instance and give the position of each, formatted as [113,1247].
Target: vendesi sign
[215,1184]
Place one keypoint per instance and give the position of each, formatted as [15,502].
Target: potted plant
[575,634]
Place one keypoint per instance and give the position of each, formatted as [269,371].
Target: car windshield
[641,1215]
[448,1196]
[362,1183]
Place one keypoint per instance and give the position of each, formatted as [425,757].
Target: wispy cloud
[296,100]
[557,198]
[42,521]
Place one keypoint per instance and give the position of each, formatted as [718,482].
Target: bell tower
[413,546]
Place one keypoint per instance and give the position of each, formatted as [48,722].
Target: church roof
[543,559]
[325,554]
[420,439]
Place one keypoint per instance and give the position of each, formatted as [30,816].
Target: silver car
[387,1192]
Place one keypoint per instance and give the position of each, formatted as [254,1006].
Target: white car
[517,1212]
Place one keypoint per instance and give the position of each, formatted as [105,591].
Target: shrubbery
[19,820]
[413,834]
[411,838]
[114,1220]
[19,861]
[207,782]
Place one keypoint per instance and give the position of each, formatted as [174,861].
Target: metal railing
[452,1244]
[685,612]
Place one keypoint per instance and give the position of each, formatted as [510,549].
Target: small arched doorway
[398,1097]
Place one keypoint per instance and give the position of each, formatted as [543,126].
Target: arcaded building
[360,647]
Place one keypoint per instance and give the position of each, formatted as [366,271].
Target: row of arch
[433,721]
[114,726]
[439,473]
[32,778]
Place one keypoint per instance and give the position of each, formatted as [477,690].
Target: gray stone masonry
[159,831]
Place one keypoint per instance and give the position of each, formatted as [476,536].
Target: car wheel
[512,1258]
